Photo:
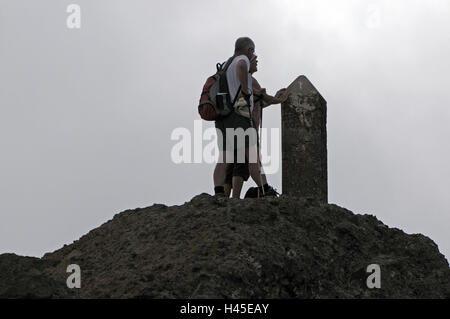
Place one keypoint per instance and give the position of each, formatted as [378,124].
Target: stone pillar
[304,142]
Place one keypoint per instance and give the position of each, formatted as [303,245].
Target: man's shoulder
[241,57]
[234,63]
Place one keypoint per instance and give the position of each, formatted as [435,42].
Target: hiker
[230,127]
[236,177]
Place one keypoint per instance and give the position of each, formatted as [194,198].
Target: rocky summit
[284,247]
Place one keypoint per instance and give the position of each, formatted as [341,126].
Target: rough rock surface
[283,247]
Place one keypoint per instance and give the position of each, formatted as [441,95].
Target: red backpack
[215,101]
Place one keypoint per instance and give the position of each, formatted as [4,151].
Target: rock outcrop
[284,247]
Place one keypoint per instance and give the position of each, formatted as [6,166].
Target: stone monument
[304,142]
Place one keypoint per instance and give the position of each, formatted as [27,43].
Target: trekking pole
[257,148]
[258,160]
[260,143]
[258,135]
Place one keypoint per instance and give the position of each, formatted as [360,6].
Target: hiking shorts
[235,132]
[237,169]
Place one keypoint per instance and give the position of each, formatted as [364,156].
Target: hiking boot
[271,192]
[255,192]
[252,192]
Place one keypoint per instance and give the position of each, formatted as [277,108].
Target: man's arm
[242,72]
[279,97]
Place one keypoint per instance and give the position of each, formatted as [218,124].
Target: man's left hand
[282,95]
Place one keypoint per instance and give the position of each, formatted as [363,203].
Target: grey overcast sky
[87,114]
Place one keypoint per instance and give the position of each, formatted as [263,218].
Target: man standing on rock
[237,173]
[233,126]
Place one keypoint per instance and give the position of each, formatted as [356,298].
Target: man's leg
[263,174]
[253,164]
[240,175]
[229,179]
[220,173]
[241,141]
[264,179]
[254,173]
[264,188]
[227,189]
[238,181]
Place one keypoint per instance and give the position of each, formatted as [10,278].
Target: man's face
[250,52]
[253,64]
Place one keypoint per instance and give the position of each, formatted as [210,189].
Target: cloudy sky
[87,114]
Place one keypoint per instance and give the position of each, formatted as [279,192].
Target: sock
[219,190]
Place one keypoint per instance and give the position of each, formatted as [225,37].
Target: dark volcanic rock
[25,277]
[255,248]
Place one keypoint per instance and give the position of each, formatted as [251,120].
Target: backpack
[215,101]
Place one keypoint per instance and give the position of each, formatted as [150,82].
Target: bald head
[244,45]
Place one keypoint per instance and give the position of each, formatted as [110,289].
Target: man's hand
[281,95]
[259,92]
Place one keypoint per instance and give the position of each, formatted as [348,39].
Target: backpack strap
[227,64]
[237,94]
[224,67]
